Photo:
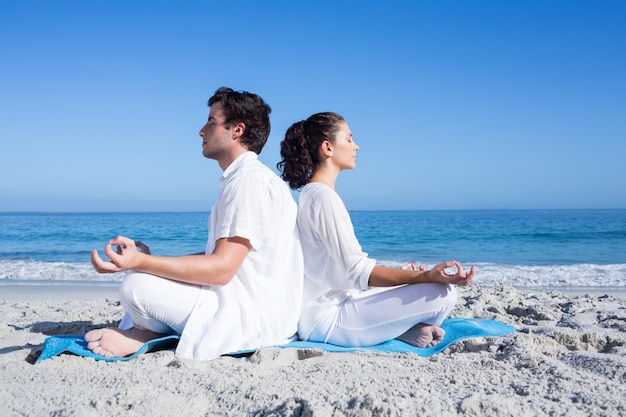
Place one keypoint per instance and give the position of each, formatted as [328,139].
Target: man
[245,291]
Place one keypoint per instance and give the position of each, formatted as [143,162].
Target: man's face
[216,138]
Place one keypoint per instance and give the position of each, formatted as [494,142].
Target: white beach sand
[568,358]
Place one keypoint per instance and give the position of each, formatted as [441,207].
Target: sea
[519,248]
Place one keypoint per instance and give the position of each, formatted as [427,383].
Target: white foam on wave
[489,274]
[577,275]
[61,271]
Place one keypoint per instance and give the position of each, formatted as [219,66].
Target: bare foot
[112,342]
[423,335]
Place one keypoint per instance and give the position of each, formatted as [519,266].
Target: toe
[93,335]
[93,345]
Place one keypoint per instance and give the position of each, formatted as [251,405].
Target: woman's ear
[327,148]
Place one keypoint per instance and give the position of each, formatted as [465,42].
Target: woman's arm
[388,277]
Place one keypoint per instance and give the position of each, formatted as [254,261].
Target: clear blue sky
[455,104]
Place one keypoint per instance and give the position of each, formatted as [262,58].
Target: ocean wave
[488,274]
[60,271]
[576,275]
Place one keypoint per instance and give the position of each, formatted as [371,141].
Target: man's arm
[217,268]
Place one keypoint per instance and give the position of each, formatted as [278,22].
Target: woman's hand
[439,274]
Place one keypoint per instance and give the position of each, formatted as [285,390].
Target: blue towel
[55,345]
[456,329]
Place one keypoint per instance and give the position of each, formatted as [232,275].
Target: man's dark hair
[246,108]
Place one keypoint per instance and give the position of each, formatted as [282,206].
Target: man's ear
[238,130]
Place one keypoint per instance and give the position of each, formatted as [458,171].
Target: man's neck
[228,159]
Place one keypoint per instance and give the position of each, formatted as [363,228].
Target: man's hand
[143,247]
[123,254]
[412,267]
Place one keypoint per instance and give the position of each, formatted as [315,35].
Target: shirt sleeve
[246,210]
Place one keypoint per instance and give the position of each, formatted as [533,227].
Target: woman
[341,303]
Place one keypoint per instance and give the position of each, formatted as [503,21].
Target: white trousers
[381,314]
[156,304]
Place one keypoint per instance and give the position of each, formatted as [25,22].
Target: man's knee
[132,284]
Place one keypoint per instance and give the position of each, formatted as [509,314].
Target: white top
[335,266]
[261,304]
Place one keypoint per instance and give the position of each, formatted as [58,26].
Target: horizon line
[350,210]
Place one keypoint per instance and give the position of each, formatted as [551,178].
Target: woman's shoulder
[318,197]
[317,191]
[316,187]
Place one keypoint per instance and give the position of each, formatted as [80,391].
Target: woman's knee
[451,295]
[442,291]
[443,295]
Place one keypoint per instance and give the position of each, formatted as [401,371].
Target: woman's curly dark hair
[300,150]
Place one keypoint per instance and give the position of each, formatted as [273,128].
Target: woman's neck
[325,175]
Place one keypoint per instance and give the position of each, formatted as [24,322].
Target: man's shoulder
[255,174]
[256,169]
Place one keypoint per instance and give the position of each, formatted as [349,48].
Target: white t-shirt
[260,306]
[335,266]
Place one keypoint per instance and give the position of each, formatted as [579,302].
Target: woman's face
[344,148]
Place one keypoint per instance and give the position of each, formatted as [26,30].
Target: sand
[567,358]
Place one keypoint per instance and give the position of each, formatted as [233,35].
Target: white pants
[381,314]
[156,304]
